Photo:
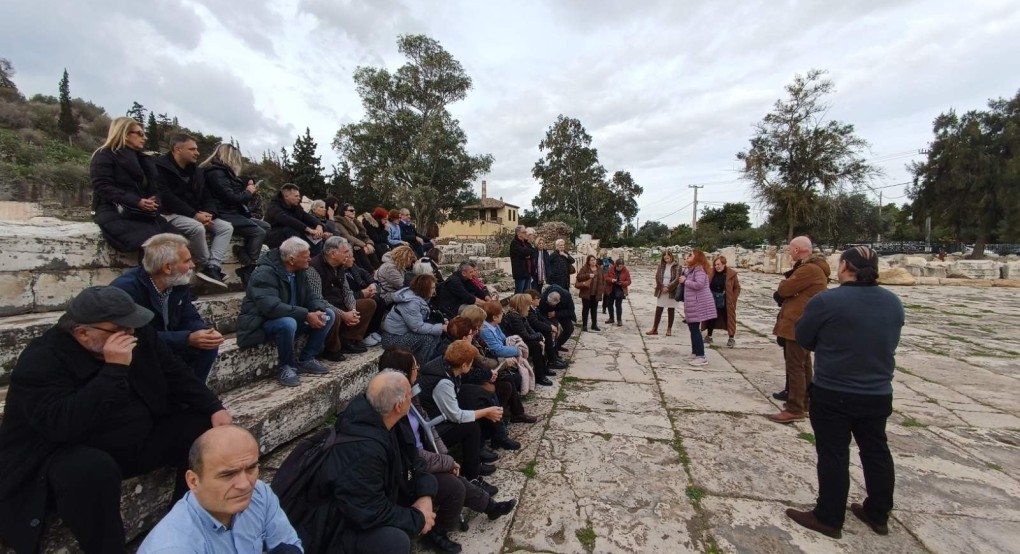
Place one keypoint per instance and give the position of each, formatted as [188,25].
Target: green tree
[408,148]
[969,181]
[136,112]
[841,218]
[796,154]
[732,216]
[66,122]
[7,74]
[530,218]
[305,168]
[652,232]
[574,182]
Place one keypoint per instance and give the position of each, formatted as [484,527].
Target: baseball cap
[112,304]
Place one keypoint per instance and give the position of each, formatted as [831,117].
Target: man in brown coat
[809,276]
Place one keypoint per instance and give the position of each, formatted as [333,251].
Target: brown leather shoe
[808,519]
[786,417]
[879,528]
[523,419]
[785,409]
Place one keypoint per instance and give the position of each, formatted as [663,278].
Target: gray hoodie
[410,314]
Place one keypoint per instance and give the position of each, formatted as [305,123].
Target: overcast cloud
[668,90]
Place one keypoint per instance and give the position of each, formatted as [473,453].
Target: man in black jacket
[558,307]
[96,398]
[353,315]
[287,219]
[417,241]
[458,291]
[541,323]
[189,207]
[521,260]
[379,490]
[364,288]
[160,285]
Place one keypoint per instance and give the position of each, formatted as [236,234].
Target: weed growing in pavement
[586,537]
[529,469]
[911,422]
[996,467]
[806,436]
[695,493]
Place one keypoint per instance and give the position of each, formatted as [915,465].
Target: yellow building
[493,216]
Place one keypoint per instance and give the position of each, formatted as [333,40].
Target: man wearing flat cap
[96,398]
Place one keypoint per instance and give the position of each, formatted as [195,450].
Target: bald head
[225,439]
[800,248]
[386,390]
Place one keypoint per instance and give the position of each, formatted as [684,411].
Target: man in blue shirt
[228,510]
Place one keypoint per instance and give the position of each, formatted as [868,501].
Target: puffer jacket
[389,277]
[699,305]
[268,297]
[410,314]
[808,277]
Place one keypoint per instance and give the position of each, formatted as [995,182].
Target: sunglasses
[139,133]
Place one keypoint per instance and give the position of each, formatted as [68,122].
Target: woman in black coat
[515,322]
[232,196]
[125,198]
[559,266]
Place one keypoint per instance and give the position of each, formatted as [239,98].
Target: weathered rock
[1010,270]
[896,276]
[974,269]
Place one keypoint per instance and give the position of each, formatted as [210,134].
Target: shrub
[14,116]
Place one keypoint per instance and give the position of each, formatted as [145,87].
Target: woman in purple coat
[699,305]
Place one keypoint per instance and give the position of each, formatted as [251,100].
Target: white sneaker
[698,361]
[372,340]
[690,357]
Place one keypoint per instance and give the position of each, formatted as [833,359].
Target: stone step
[276,415]
[218,310]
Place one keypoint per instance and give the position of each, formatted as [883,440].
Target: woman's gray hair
[386,390]
[316,205]
[160,250]
[292,247]
[560,241]
[422,267]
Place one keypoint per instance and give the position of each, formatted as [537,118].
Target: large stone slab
[953,534]
[711,391]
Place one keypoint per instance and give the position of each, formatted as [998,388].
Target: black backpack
[291,482]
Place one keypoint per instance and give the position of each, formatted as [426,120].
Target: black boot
[441,542]
[495,510]
[503,440]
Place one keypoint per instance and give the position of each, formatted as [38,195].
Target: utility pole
[694,218]
[879,232]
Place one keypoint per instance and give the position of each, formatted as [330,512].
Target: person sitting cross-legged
[95,399]
[228,509]
[160,285]
[279,304]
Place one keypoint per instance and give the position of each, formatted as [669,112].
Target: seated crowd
[117,387]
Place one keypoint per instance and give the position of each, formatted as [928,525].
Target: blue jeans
[697,342]
[521,285]
[283,330]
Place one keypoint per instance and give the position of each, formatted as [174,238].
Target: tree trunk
[979,248]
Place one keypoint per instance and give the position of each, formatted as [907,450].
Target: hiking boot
[312,367]
[288,376]
[440,542]
[485,486]
[495,510]
[731,343]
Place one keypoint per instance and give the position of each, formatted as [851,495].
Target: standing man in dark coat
[287,219]
[854,331]
[521,258]
[96,398]
[189,207]
[160,285]
[379,490]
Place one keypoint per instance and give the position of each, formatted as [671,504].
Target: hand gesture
[118,348]
[148,204]
[316,320]
[424,505]
[350,318]
[252,187]
[205,339]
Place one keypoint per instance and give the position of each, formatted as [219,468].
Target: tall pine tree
[66,121]
[304,167]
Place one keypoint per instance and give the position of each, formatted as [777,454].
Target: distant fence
[922,247]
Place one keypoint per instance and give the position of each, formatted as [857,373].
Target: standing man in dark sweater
[853,331]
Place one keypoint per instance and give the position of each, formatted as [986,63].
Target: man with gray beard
[160,285]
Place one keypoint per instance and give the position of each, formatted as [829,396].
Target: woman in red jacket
[618,286]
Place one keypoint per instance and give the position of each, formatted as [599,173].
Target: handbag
[720,300]
[679,294]
[571,270]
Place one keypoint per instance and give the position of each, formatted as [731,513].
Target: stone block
[1010,270]
[896,276]
[53,291]
[937,269]
[16,293]
[974,269]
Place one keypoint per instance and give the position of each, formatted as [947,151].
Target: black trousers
[469,437]
[85,481]
[537,355]
[448,501]
[616,302]
[381,540]
[590,307]
[550,347]
[566,331]
[253,231]
[835,417]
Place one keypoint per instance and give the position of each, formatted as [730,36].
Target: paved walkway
[638,452]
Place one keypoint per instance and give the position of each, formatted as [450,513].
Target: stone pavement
[638,452]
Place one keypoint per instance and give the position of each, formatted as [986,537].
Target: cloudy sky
[668,89]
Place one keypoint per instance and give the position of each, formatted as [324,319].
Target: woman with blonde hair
[232,194]
[725,287]
[698,303]
[667,279]
[125,196]
[393,272]
[515,322]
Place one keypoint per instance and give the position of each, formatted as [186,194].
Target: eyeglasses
[349,210]
[112,331]
[139,133]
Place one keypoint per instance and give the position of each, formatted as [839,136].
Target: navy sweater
[853,330]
